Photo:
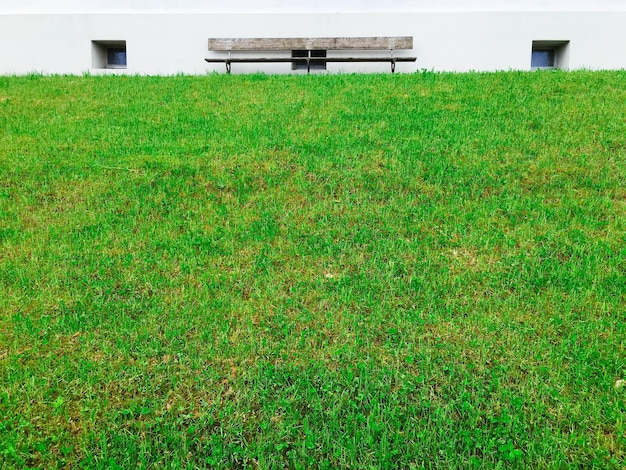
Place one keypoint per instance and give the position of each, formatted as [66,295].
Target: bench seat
[390,44]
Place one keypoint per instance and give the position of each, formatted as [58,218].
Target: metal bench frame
[389,44]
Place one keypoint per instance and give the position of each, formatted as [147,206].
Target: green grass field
[346,271]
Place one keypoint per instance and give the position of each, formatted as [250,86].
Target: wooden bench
[309,50]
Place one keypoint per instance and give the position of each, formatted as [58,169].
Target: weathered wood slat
[251,60]
[286,44]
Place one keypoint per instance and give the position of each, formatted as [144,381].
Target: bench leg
[228,66]
[393,66]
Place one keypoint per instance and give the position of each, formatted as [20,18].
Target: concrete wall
[170,43]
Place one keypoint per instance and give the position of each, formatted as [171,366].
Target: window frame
[314,65]
[111,52]
[559,50]
[551,58]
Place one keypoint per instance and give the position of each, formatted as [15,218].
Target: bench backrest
[286,44]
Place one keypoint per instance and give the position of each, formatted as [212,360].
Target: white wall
[166,43]
[311,6]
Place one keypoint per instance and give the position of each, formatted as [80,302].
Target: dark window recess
[315,64]
[542,59]
[116,56]
[108,54]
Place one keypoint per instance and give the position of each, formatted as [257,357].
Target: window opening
[542,59]
[108,54]
[549,55]
[313,64]
[116,57]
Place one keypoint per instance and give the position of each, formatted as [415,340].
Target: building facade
[149,37]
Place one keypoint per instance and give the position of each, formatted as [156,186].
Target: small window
[108,54]
[542,59]
[116,57]
[314,64]
[549,55]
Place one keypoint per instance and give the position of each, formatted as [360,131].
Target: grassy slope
[313,271]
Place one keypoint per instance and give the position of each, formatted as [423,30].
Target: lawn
[325,271]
